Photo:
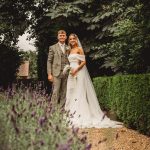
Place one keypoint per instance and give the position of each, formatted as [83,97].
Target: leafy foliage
[115,31]
[14,19]
[124,53]
[29,121]
[9,62]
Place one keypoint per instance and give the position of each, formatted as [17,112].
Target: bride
[81,101]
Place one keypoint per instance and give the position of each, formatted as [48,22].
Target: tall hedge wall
[128,96]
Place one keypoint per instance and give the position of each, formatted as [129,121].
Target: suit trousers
[59,89]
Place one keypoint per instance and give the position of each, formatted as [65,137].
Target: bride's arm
[82,63]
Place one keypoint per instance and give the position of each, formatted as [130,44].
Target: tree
[14,19]
[117,31]
[128,37]
[9,62]
[47,27]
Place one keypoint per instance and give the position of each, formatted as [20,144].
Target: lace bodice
[74,59]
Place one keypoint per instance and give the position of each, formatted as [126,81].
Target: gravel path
[116,139]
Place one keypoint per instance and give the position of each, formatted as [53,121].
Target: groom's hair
[61,32]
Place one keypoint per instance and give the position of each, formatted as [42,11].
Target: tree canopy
[116,31]
[115,34]
[9,62]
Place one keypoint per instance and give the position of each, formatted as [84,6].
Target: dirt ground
[116,139]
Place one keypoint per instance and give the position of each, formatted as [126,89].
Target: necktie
[62,47]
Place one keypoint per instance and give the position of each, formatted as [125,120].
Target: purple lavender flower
[57,128]
[33,114]
[37,130]
[83,139]
[75,130]
[63,147]
[41,121]
[88,147]
[70,140]
[41,142]
[16,129]
[30,105]
[14,110]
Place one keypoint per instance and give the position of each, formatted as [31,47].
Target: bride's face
[73,40]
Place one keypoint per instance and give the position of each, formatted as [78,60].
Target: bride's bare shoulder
[80,51]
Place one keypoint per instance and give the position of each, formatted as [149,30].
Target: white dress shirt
[62,46]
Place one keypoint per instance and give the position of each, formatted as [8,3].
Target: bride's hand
[74,71]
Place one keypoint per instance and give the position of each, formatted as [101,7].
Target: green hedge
[128,96]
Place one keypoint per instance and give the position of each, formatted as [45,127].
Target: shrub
[31,122]
[9,63]
[128,96]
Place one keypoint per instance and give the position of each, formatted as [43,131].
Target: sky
[24,44]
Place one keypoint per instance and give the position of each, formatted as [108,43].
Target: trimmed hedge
[128,96]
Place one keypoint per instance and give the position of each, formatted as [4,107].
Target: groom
[57,59]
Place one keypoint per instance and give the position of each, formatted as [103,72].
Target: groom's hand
[50,78]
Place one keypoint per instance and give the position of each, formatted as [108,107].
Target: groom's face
[62,37]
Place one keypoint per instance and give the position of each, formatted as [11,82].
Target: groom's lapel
[58,48]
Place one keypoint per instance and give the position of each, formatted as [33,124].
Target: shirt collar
[61,44]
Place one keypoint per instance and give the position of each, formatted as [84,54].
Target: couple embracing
[74,90]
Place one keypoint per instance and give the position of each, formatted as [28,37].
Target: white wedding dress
[81,100]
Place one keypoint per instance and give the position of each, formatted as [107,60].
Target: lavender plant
[29,121]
